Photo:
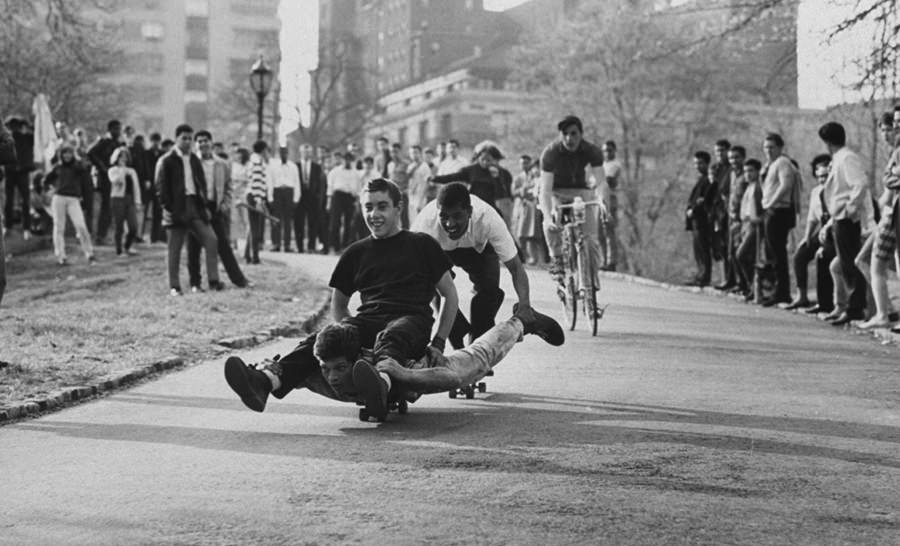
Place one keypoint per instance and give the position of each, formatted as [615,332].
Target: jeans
[484,271]
[124,211]
[746,254]
[257,223]
[778,224]
[64,206]
[218,223]
[283,208]
[104,212]
[199,228]
[306,216]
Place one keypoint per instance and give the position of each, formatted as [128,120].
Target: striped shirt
[258,183]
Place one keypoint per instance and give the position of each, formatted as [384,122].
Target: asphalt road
[689,420]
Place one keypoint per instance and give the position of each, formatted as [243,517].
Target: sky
[824,68]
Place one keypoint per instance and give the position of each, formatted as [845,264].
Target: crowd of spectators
[742,210]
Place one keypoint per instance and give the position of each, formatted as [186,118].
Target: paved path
[688,420]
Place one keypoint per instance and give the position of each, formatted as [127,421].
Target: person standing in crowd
[69,179]
[154,152]
[451,162]
[283,187]
[217,173]
[737,185]
[720,176]
[420,190]
[382,156]
[398,171]
[698,216]
[256,200]
[342,194]
[100,154]
[504,201]
[750,214]
[125,200]
[181,185]
[218,150]
[359,229]
[809,246]
[240,184]
[312,200]
[614,173]
[140,162]
[526,227]
[481,182]
[780,199]
[846,191]
[7,161]
[18,176]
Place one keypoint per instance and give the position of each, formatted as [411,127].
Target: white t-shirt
[485,226]
[613,169]
[451,165]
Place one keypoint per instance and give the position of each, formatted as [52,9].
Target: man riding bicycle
[564,164]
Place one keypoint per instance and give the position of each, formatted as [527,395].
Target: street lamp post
[260,82]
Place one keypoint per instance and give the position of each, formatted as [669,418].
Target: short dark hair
[167,142]
[610,144]
[753,162]
[336,340]
[739,150]
[492,151]
[526,157]
[217,143]
[388,186]
[453,195]
[113,123]
[703,156]
[833,133]
[723,143]
[183,128]
[897,108]
[155,137]
[415,147]
[203,133]
[887,119]
[244,155]
[382,138]
[369,159]
[396,146]
[430,151]
[453,141]
[776,138]
[260,146]
[569,121]
[819,160]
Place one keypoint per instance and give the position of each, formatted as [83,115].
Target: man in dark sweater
[18,176]
[698,216]
[99,155]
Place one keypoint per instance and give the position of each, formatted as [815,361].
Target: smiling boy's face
[381,214]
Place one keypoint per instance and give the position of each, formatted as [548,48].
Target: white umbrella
[45,138]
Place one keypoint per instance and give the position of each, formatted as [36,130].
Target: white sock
[387,379]
[276,383]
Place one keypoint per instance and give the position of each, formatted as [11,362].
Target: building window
[261,8]
[152,31]
[196,82]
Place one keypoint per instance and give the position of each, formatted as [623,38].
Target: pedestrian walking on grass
[69,179]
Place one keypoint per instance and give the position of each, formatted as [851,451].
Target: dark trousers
[702,231]
[124,212]
[341,219]
[219,225]
[484,271]
[805,253]
[157,233]
[257,223]
[306,222]
[778,224]
[400,338]
[734,243]
[728,265]
[104,213]
[847,243]
[746,254]
[195,224]
[17,180]
[283,209]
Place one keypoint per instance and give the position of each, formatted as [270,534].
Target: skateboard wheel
[482,387]
[470,392]
[363,415]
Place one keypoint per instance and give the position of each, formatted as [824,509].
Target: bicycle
[571,217]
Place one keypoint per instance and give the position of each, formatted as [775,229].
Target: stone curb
[884,335]
[78,394]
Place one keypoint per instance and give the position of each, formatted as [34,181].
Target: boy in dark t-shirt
[396,273]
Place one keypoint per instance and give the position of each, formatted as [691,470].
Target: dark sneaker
[250,384]
[542,326]
[216,286]
[372,389]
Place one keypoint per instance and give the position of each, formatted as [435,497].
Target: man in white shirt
[453,163]
[283,189]
[612,170]
[341,198]
[780,201]
[846,192]
[420,189]
[475,237]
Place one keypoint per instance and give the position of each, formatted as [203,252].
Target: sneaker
[542,326]
[249,383]
[26,235]
[131,252]
[216,286]
[372,389]
[197,290]
[174,292]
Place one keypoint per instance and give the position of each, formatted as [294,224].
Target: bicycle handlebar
[585,203]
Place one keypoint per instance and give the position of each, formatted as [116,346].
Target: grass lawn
[66,326]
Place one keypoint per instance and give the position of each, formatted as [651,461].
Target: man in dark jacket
[18,176]
[698,217]
[181,186]
[100,154]
[7,160]
[312,200]
[154,152]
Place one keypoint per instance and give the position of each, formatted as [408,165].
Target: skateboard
[401,406]
[468,390]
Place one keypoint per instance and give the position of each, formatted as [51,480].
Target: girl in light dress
[125,199]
